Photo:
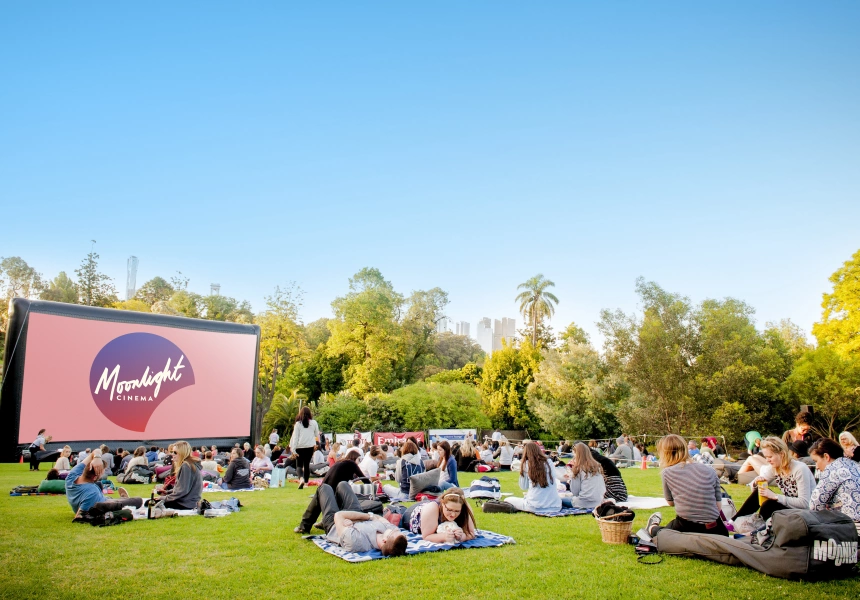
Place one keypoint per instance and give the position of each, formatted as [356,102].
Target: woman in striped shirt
[691,487]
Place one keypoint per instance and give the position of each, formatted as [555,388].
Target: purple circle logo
[133,374]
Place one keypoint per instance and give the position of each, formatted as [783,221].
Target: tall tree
[366,331]
[840,321]
[536,303]
[418,331]
[17,279]
[505,379]
[61,289]
[155,290]
[281,342]
[94,288]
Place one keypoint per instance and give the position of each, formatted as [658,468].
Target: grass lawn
[255,554]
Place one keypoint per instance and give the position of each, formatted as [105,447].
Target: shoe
[301,483]
[123,493]
[653,521]
[300,529]
[319,525]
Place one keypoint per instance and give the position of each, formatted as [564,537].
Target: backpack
[494,506]
[485,487]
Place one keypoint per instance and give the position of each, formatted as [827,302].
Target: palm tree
[535,302]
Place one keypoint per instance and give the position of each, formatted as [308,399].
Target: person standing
[37,446]
[306,434]
[274,438]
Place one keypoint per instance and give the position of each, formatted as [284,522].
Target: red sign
[393,438]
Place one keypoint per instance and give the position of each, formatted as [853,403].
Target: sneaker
[300,529]
[653,521]
[319,525]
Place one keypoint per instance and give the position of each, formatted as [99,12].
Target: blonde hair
[183,455]
[583,462]
[851,439]
[777,446]
[672,450]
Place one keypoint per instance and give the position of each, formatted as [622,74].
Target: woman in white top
[306,433]
[586,480]
[505,454]
[369,465]
[139,459]
[261,464]
[318,456]
[63,463]
[537,480]
[794,479]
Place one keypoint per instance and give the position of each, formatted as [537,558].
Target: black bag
[371,506]
[497,506]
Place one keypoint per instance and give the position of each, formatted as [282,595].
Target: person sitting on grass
[615,486]
[139,458]
[623,454]
[447,467]
[839,485]
[447,520]
[209,465]
[238,473]
[537,481]
[849,446]
[261,464]
[63,464]
[187,490]
[802,429]
[793,478]
[84,493]
[409,464]
[691,487]
[353,530]
[585,480]
[369,465]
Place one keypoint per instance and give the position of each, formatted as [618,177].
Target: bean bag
[54,486]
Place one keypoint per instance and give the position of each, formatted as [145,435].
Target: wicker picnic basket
[614,531]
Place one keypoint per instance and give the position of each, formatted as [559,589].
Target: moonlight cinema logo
[133,374]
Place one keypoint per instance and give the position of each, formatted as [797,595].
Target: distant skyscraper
[443,325]
[131,278]
[214,289]
[463,328]
[484,335]
[506,329]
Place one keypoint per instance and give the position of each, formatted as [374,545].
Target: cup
[762,485]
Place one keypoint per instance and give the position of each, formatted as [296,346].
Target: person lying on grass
[188,488]
[793,478]
[585,479]
[536,479]
[353,530]
[343,471]
[447,520]
[691,487]
[84,494]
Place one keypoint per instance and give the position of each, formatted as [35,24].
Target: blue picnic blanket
[416,545]
[565,512]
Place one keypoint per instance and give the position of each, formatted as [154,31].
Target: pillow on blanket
[54,486]
[420,482]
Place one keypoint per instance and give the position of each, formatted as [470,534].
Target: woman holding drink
[794,479]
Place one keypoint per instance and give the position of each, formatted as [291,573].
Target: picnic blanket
[416,545]
[208,486]
[643,502]
[564,512]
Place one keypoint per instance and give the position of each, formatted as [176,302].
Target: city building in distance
[131,278]
[462,328]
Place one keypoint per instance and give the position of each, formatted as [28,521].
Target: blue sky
[711,147]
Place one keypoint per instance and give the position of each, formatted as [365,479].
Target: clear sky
[712,147]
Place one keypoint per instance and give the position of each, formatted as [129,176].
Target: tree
[536,303]
[365,331]
[224,308]
[831,383]
[504,382]
[423,406]
[575,394]
[840,321]
[452,351]
[94,288]
[319,375]
[470,373]
[133,305]
[418,331]
[154,290]
[185,303]
[17,280]
[61,289]
[317,333]
[281,341]
[340,412]
[281,415]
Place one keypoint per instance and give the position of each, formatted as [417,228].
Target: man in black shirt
[343,470]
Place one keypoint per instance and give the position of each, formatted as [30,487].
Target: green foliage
[187,304]
[418,331]
[470,373]
[340,413]
[573,335]
[224,308]
[426,405]
[366,333]
[731,420]
[94,288]
[318,375]
[536,303]
[505,379]
[829,382]
[61,289]
[317,333]
[840,321]
[281,415]
[575,395]
[134,305]
[155,290]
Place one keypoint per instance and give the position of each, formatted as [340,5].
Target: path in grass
[255,554]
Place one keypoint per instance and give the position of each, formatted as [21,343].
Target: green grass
[255,553]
